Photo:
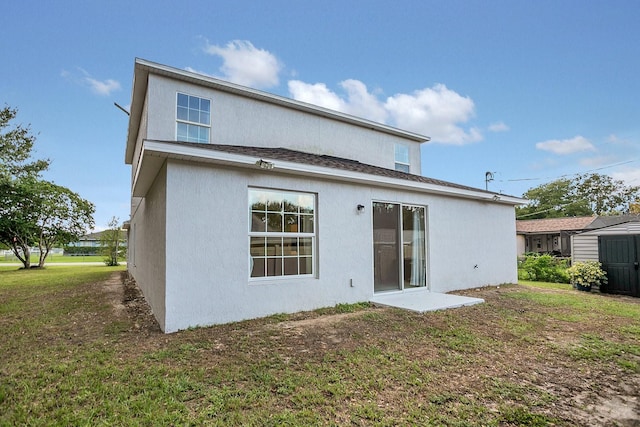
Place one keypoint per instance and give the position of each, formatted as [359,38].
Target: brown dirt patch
[522,344]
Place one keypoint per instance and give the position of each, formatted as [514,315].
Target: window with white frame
[193,118]
[282,233]
[402,158]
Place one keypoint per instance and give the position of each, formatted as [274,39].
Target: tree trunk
[43,256]
[44,251]
[25,258]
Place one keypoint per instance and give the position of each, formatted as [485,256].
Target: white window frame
[400,164]
[199,124]
[299,233]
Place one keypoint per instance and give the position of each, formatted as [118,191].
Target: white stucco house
[247,204]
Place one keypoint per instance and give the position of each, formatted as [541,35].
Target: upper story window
[282,233]
[193,117]
[402,158]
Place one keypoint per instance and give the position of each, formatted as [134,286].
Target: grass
[546,285]
[54,258]
[69,356]
[13,279]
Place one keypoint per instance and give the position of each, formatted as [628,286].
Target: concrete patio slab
[423,301]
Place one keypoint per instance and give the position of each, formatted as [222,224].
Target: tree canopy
[34,212]
[16,146]
[589,194]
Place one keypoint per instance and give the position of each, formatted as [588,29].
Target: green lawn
[14,280]
[546,285]
[76,352]
[52,259]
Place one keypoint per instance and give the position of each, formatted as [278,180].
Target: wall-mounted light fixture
[263,164]
[360,208]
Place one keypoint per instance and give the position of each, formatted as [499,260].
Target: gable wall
[207,271]
[237,120]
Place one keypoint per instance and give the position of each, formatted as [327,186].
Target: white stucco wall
[147,264]
[472,244]
[207,264]
[237,120]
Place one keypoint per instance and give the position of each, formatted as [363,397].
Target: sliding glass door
[414,254]
[399,246]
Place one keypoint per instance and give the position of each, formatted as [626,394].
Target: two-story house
[247,204]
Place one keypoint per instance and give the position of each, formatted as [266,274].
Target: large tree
[18,209]
[606,195]
[34,212]
[63,217]
[18,173]
[589,194]
[553,200]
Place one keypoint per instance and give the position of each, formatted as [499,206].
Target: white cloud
[596,162]
[566,146]
[317,94]
[498,127]
[630,176]
[102,87]
[362,103]
[436,112]
[244,64]
[359,101]
[613,138]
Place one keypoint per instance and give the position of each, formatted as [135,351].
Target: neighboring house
[91,240]
[615,242]
[549,235]
[246,204]
[91,243]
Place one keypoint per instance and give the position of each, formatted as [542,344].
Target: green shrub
[543,268]
[82,250]
[587,273]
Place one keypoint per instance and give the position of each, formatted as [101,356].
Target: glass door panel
[386,247]
[413,247]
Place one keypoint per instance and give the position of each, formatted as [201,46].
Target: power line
[556,207]
[569,174]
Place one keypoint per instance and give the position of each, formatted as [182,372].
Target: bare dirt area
[524,357]
[594,391]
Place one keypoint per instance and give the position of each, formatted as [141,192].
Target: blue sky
[530,90]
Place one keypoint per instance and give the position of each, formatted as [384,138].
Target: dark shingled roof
[323,160]
[608,221]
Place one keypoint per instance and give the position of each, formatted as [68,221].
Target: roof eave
[155,154]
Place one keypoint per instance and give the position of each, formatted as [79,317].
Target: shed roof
[553,225]
[609,220]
